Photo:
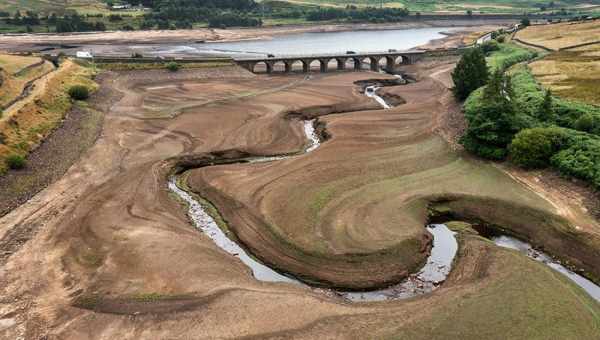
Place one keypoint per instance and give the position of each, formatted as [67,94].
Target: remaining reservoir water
[289,44]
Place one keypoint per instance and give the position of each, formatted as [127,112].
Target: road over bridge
[392,60]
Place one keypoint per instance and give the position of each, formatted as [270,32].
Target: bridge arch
[341,63]
[374,63]
[279,66]
[262,66]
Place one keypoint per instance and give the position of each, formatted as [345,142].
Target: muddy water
[426,280]
[512,243]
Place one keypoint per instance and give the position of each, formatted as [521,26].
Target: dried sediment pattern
[351,214]
[110,238]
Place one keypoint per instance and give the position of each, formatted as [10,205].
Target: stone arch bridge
[374,59]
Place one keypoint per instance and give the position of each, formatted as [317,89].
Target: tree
[546,111]
[493,126]
[470,74]
[525,22]
[470,13]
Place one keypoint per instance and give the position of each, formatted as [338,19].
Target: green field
[59,6]
[476,6]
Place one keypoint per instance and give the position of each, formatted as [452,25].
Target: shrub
[114,18]
[490,46]
[501,39]
[581,159]
[79,92]
[533,148]
[585,123]
[15,161]
[172,66]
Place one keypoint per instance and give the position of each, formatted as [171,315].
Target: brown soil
[108,252]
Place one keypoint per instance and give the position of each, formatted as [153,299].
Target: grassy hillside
[457,6]
[486,6]
[59,6]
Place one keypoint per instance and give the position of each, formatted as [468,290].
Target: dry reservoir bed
[121,259]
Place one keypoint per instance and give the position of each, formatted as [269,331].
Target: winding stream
[433,273]
[513,243]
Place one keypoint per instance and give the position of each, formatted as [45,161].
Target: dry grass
[14,63]
[573,74]
[43,111]
[13,86]
[561,35]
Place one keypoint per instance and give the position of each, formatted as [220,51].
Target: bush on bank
[15,162]
[172,66]
[533,148]
[79,92]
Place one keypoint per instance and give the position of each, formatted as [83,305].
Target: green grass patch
[508,55]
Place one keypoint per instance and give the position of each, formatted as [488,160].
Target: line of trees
[355,14]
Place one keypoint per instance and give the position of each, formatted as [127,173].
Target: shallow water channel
[371,92]
[513,243]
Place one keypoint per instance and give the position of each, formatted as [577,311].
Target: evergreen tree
[546,112]
[493,127]
[470,74]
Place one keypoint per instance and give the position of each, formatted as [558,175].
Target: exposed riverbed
[433,273]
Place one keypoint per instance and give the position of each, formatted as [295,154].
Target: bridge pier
[374,61]
[269,66]
[306,65]
[288,66]
[390,64]
[341,63]
[324,65]
[357,64]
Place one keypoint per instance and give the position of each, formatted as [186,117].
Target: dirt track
[111,239]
